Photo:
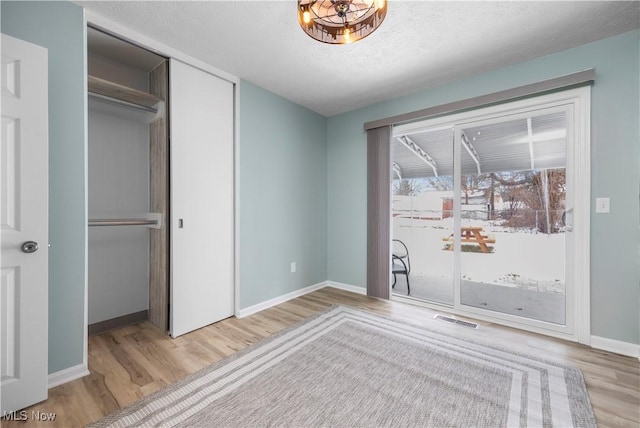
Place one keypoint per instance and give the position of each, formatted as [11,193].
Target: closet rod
[122,102]
[122,222]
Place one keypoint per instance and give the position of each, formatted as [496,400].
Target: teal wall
[615,151]
[59,27]
[302,177]
[283,196]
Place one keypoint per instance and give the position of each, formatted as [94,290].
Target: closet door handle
[180,224]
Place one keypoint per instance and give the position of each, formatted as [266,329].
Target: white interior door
[24,182]
[202,195]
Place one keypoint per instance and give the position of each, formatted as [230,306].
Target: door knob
[30,247]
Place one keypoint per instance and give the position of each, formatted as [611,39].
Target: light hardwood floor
[132,362]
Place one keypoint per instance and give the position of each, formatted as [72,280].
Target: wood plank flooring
[132,362]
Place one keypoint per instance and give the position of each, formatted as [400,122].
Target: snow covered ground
[521,260]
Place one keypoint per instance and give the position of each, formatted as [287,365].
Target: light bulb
[380,3]
[306,17]
[347,35]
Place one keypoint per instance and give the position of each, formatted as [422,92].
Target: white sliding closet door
[202,216]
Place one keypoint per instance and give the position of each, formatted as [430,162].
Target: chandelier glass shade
[340,21]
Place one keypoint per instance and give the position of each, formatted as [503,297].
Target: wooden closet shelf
[119,92]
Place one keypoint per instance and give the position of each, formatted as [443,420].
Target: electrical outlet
[602,205]
[293,267]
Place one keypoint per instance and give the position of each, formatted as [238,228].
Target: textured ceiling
[421,44]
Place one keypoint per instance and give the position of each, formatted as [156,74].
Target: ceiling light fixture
[340,21]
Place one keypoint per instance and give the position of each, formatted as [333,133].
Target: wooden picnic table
[474,235]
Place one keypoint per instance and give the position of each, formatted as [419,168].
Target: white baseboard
[616,346]
[347,287]
[280,299]
[67,375]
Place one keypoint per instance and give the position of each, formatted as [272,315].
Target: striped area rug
[346,368]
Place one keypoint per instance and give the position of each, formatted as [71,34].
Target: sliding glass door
[513,204]
[483,205]
[422,213]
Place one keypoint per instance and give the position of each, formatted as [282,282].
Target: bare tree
[547,196]
[469,184]
[535,198]
[407,187]
[440,184]
[472,184]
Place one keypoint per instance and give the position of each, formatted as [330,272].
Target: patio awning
[526,143]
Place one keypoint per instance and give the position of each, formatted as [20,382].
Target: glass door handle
[568,223]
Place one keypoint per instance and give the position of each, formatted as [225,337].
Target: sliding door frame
[519,114]
[577,100]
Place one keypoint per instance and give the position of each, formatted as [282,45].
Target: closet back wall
[104,68]
[118,158]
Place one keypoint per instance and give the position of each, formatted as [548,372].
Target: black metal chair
[400,262]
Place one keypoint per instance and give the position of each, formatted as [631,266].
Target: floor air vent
[455,321]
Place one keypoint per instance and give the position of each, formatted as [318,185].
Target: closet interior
[128,189]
